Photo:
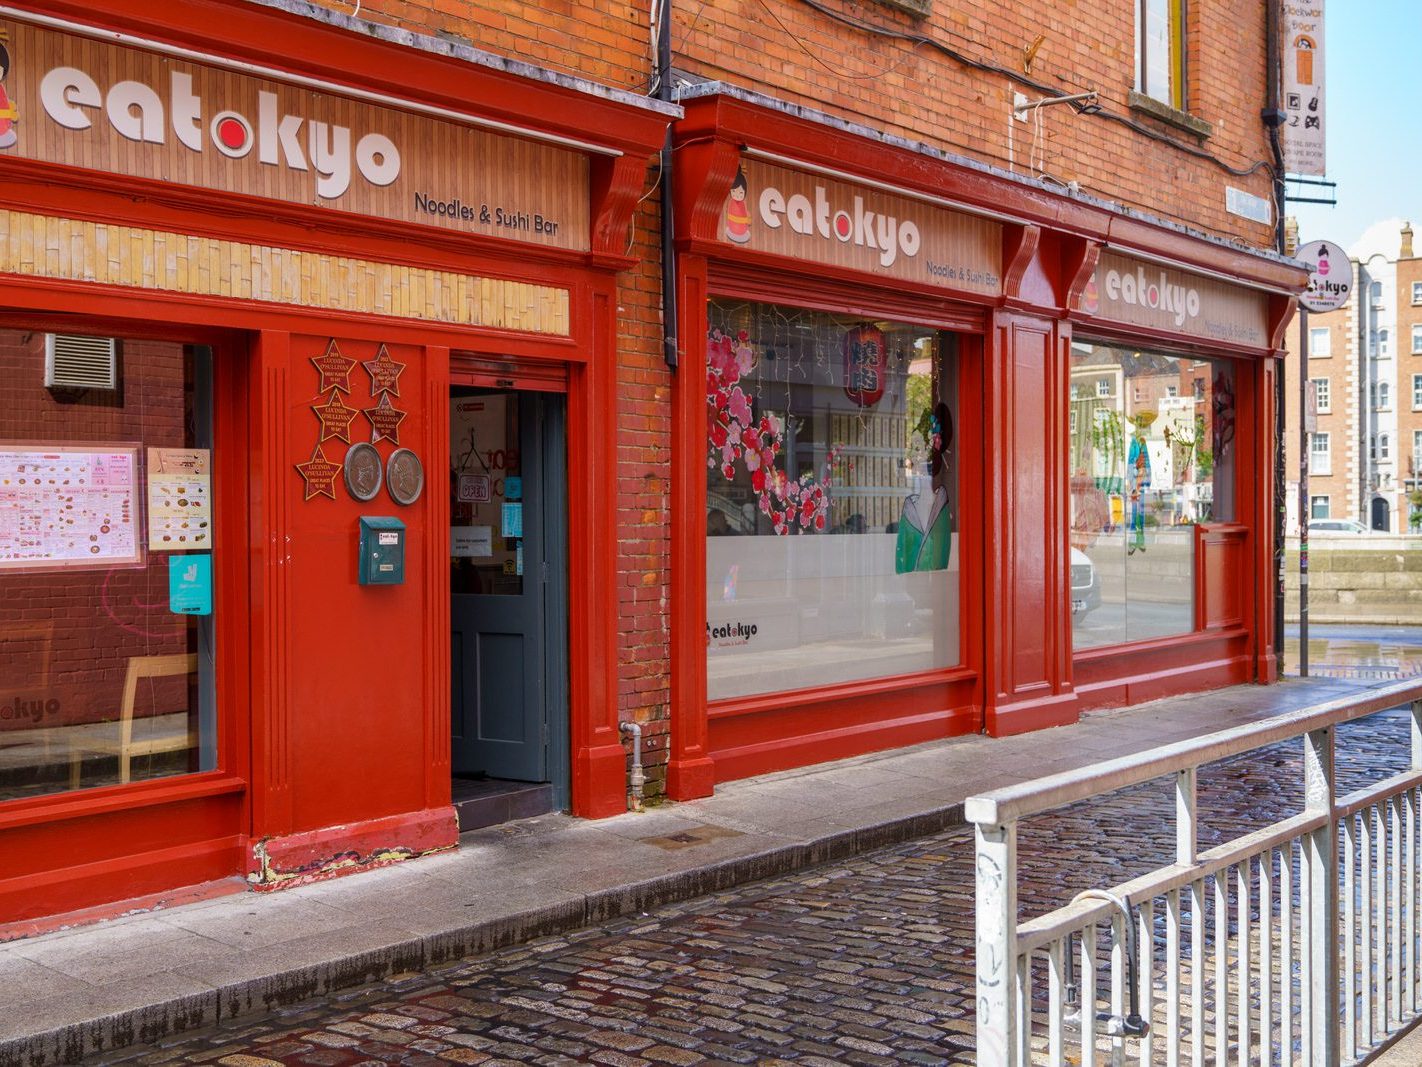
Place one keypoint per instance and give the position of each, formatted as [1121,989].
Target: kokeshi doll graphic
[738,218]
[8,114]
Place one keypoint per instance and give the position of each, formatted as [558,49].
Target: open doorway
[508,604]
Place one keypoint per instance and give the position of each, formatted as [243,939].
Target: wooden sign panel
[1138,293]
[837,223]
[91,104]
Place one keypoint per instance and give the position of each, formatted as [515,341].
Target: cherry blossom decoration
[735,434]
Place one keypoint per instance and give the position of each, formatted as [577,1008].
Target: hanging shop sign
[1135,292]
[1330,278]
[866,365]
[90,103]
[837,223]
[1301,40]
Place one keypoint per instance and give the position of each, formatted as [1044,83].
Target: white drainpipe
[637,778]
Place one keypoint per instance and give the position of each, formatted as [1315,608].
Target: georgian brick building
[842,377]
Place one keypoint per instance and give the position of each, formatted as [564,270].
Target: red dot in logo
[842,226]
[232,133]
[1153,296]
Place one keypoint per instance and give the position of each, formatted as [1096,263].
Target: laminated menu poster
[179,499]
[69,506]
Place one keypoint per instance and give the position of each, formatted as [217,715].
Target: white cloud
[1383,237]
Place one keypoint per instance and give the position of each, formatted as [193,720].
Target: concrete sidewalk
[136,979]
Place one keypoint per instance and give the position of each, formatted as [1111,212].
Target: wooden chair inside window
[125,747]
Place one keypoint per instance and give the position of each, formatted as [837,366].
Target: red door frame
[251,799]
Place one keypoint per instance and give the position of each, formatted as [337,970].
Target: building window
[1160,51]
[1417,392]
[1322,395]
[1320,342]
[1197,387]
[832,499]
[1383,450]
[1318,507]
[1383,350]
[1381,396]
[1417,451]
[1103,387]
[1375,294]
[107,678]
[1142,474]
[1417,292]
[1320,459]
[1417,339]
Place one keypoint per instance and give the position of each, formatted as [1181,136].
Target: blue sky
[1374,121]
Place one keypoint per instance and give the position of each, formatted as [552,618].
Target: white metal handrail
[1300,940]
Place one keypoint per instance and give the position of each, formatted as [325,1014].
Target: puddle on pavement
[1328,657]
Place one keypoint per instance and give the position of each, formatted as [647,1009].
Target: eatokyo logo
[873,230]
[137,112]
[1178,301]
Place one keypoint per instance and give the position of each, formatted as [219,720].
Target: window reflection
[1151,455]
[831,499]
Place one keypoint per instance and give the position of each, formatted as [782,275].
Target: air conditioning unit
[75,362]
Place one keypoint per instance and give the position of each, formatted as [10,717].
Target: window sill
[917,8]
[1165,113]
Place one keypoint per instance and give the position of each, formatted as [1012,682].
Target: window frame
[1320,460]
[1315,351]
[1416,294]
[1175,58]
[1323,394]
[1417,338]
[1313,506]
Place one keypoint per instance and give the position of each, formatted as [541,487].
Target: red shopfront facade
[257,289]
[954,453]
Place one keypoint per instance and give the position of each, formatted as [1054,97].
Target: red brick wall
[87,623]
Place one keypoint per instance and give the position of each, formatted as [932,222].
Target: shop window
[1143,474]
[1322,395]
[1160,51]
[1320,342]
[1318,507]
[1320,458]
[832,499]
[105,561]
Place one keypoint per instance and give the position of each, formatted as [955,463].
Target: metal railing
[1297,942]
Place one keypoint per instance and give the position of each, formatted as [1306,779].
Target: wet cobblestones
[863,962]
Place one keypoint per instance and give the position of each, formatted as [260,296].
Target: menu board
[63,506]
[179,499]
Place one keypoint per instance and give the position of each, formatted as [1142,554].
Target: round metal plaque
[404,476]
[364,471]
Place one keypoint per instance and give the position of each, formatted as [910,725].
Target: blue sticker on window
[190,585]
[513,487]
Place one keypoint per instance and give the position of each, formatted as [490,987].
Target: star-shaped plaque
[335,369]
[335,417]
[320,474]
[385,420]
[384,373]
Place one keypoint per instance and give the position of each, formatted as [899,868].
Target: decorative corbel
[1020,246]
[1081,257]
[617,183]
[705,169]
[1282,309]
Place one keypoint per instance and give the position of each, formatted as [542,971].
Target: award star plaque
[385,420]
[384,373]
[335,369]
[320,474]
[335,417]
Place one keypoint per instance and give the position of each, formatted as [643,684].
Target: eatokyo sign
[1140,293]
[84,102]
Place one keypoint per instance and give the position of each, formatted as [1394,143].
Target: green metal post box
[382,550]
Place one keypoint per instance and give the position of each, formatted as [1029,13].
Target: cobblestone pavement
[862,962]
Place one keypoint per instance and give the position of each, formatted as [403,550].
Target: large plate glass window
[106,549]
[1152,454]
[831,499]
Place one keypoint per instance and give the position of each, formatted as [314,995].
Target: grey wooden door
[497,605]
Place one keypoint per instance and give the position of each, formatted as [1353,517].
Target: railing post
[996,868]
[1417,735]
[1321,859]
